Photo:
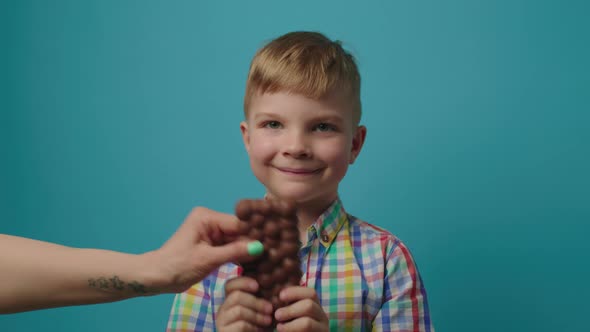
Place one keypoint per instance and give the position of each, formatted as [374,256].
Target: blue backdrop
[119,116]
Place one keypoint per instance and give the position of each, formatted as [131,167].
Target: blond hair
[306,63]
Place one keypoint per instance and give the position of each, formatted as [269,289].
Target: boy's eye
[325,127]
[272,125]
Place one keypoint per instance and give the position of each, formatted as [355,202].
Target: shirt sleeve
[192,310]
[405,306]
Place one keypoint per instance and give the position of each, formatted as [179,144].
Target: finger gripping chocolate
[273,223]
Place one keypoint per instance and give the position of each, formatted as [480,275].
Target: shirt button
[325,237]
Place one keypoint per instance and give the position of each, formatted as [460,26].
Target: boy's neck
[309,212]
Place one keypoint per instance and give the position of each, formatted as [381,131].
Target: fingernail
[255,248]
[253,286]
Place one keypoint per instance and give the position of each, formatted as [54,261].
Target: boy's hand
[303,314]
[241,310]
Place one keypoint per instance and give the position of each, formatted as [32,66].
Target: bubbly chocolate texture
[273,223]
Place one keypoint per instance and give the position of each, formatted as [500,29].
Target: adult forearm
[36,274]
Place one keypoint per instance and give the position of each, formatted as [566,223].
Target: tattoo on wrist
[115,285]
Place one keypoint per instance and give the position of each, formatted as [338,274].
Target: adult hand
[206,240]
[38,274]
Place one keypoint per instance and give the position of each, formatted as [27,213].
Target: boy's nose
[297,146]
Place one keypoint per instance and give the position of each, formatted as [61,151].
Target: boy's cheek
[260,152]
[262,148]
[335,154]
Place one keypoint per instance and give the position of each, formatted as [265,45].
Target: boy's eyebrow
[265,115]
[328,118]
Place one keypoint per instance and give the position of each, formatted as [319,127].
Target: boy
[301,131]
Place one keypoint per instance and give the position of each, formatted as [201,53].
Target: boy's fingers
[239,298]
[303,303]
[240,291]
[302,308]
[247,300]
[301,324]
[242,313]
[241,283]
[296,293]
[243,307]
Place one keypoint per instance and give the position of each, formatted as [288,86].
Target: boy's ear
[245,137]
[357,142]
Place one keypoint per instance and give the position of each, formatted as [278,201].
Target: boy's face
[300,148]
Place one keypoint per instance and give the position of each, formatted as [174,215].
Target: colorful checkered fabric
[365,278]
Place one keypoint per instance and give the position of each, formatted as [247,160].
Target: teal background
[119,116]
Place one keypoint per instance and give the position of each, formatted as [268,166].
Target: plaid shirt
[365,278]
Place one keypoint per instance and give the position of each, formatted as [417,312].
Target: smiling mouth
[299,171]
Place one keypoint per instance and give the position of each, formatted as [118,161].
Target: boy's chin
[297,196]
[285,196]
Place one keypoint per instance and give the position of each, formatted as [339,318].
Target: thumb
[237,251]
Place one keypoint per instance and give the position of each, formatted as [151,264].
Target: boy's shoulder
[368,227]
[361,232]
[370,231]
[366,236]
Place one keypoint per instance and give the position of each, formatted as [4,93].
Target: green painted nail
[255,248]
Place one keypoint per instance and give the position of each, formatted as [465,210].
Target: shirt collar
[328,224]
